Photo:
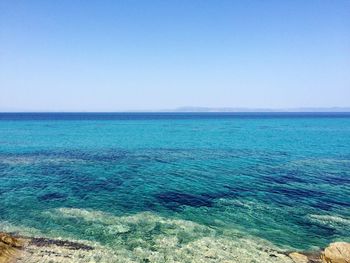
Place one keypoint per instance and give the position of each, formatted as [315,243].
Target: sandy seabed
[143,237]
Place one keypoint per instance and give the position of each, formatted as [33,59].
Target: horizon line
[194,109]
[162,112]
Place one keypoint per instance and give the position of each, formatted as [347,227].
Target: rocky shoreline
[15,248]
[337,252]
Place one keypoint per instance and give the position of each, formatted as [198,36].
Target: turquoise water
[281,178]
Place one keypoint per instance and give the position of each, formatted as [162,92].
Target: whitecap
[330,220]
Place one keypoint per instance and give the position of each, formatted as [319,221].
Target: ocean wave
[330,220]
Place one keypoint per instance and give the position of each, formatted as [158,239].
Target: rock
[9,248]
[314,257]
[338,252]
[11,241]
[298,258]
[39,249]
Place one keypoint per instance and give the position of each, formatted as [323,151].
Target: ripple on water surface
[182,189]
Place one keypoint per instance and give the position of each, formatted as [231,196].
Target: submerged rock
[338,252]
[45,242]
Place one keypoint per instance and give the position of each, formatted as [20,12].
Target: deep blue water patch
[52,196]
[174,200]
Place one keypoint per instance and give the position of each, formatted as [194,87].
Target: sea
[178,187]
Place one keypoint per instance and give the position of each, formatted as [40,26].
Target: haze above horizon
[151,55]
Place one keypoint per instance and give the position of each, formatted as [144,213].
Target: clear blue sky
[71,55]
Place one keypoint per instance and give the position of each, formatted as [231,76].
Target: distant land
[232,109]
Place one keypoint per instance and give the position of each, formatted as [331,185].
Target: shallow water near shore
[178,187]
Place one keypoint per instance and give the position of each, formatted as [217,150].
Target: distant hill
[231,109]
